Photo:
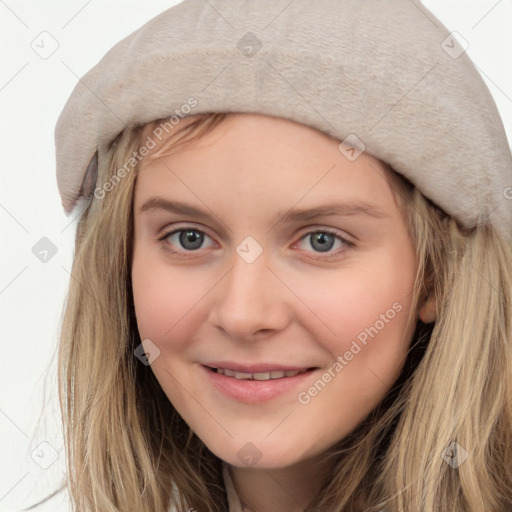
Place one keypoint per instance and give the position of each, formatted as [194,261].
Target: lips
[255,383]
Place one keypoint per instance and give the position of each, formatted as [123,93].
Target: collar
[233,500]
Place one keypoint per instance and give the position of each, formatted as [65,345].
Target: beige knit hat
[383,76]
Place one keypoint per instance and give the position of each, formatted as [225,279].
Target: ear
[427,311]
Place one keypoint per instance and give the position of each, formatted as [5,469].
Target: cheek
[361,312]
[368,313]
[166,299]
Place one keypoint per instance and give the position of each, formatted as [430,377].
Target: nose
[250,301]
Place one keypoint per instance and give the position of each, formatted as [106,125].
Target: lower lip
[255,391]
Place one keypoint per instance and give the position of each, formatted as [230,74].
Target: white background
[32,93]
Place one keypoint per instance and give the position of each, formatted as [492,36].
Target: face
[272,278]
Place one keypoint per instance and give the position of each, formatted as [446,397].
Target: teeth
[263,376]
[242,375]
[275,374]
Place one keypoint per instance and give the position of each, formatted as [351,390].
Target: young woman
[292,285]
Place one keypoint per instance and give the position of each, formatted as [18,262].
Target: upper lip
[255,368]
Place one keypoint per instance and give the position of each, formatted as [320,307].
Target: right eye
[187,240]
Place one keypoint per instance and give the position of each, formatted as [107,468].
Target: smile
[256,383]
[272,375]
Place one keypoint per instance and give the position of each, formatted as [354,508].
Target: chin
[264,454]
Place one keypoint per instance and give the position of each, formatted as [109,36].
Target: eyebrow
[352,208]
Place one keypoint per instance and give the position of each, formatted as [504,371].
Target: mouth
[268,375]
[254,384]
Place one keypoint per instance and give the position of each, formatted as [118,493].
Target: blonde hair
[128,449]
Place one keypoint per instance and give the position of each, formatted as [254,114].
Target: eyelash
[329,254]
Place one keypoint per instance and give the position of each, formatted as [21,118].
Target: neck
[273,490]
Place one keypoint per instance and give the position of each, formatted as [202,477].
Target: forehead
[271,160]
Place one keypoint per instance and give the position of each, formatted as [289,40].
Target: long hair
[440,440]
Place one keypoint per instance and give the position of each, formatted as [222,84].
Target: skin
[293,304]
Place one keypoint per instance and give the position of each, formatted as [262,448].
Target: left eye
[324,241]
